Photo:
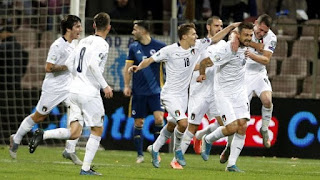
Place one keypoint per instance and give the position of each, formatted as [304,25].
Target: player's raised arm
[145,63]
[221,34]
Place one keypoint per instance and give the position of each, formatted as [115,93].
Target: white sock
[71,145]
[236,148]
[207,130]
[60,133]
[215,135]
[177,139]
[91,149]
[162,138]
[229,141]
[266,117]
[25,126]
[186,139]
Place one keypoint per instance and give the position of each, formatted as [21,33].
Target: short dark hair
[184,29]
[101,20]
[68,22]
[143,24]
[210,20]
[266,19]
[245,25]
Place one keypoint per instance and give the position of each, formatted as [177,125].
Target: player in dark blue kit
[146,84]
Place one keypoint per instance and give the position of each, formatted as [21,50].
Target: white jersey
[205,89]
[57,82]
[230,72]
[180,64]
[270,43]
[87,64]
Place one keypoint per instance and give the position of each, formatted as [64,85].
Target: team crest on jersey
[273,45]
[177,113]
[224,118]
[44,109]
[53,57]
[193,116]
[193,51]
[133,112]
[217,57]
[152,51]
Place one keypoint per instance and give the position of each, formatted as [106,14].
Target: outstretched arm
[221,34]
[145,63]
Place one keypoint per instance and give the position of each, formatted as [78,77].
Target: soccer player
[86,64]
[145,84]
[55,87]
[231,95]
[263,44]
[201,97]
[181,59]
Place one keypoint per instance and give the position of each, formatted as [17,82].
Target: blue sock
[156,130]
[138,140]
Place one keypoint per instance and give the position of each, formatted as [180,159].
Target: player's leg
[237,146]
[155,107]
[266,111]
[93,115]
[70,148]
[45,104]
[138,139]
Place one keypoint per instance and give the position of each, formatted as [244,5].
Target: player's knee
[231,128]
[138,123]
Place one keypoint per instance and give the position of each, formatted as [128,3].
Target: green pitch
[47,163]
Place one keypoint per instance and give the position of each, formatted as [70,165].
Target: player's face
[191,37]
[215,27]
[245,37]
[76,30]
[137,32]
[260,30]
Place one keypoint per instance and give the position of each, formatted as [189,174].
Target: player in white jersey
[55,85]
[231,95]
[201,99]
[180,59]
[86,64]
[256,74]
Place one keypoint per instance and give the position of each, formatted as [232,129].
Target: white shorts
[87,109]
[233,107]
[257,83]
[176,106]
[198,106]
[48,101]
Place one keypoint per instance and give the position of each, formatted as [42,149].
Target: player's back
[92,49]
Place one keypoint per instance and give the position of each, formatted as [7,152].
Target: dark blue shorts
[142,106]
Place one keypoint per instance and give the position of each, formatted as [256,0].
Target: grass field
[47,163]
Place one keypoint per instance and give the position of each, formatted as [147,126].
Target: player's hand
[247,53]
[235,24]
[260,47]
[201,78]
[133,68]
[127,91]
[108,92]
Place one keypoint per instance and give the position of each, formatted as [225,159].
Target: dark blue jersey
[146,81]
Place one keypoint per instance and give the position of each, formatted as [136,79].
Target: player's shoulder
[270,36]
[158,42]
[58,42]
[133,45]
